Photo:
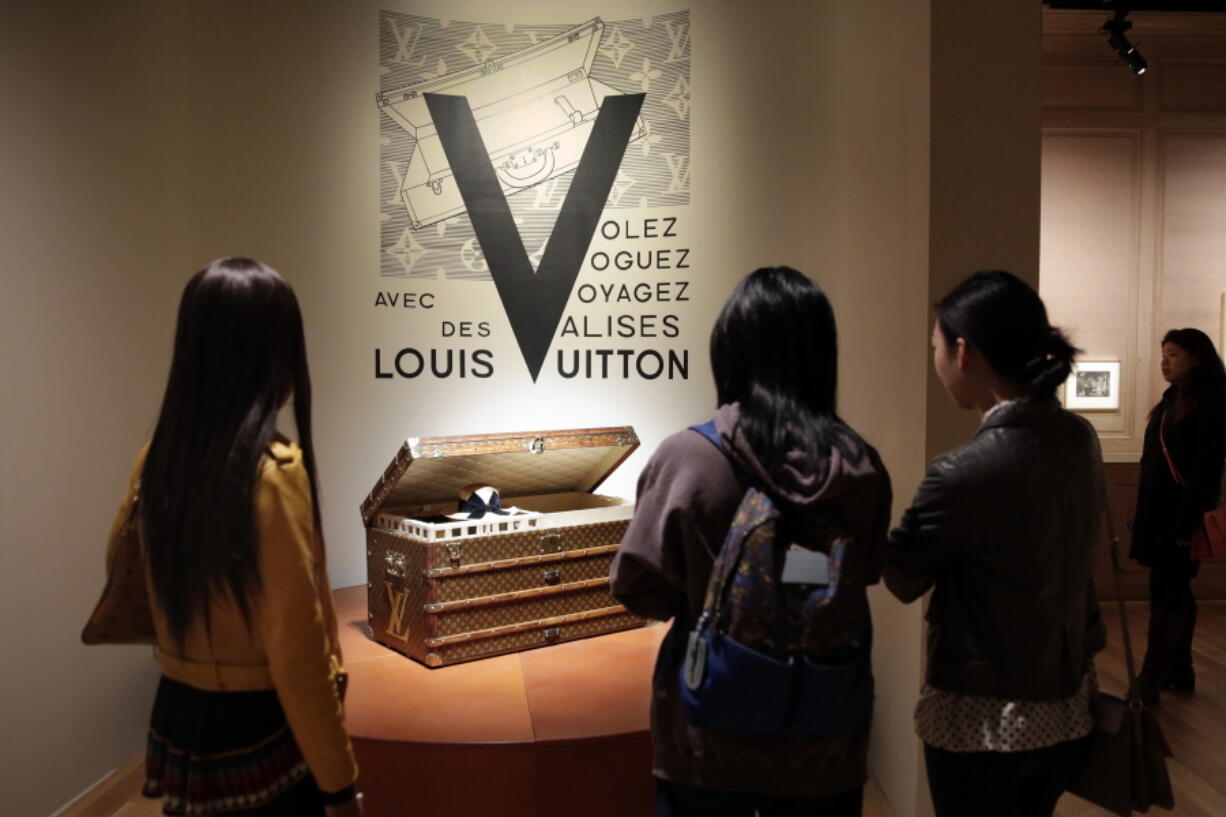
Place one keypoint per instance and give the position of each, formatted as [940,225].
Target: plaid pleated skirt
[225,753]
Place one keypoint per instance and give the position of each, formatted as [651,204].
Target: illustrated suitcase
[446,591]
[535,109]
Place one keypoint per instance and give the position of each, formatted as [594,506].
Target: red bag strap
[1170,461]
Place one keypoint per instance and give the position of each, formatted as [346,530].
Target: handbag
[123,615]
[1209,540]
[1124,769]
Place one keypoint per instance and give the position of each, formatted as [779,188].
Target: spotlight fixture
[1114,28]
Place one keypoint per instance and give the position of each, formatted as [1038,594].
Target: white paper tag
[802,566]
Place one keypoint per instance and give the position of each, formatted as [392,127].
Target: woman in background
[1004,528]
[248,718]
[774,355]
[1181,479]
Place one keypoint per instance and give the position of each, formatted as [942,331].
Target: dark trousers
[1172,622]
[1001,784]
[673,800]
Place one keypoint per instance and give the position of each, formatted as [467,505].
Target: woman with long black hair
[248,718]
[1181,479]
[1002,529]
[774,355]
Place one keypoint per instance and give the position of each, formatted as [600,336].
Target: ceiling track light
[1115,29]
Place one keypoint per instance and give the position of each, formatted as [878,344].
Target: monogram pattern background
[649,55]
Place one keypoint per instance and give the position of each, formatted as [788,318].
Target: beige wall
[151,137]
[984,206]
[881,132]
[298,186]
[985,160]
[95,243]
[809,144]
[1134,170]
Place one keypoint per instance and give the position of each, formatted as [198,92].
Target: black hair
[774,350]
[1207,375]
[1004,318]
[239,354]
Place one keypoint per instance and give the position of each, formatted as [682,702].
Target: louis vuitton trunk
[523,567]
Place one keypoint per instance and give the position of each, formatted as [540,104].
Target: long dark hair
[774,349]
[1207,375]
[1007,322]
[239,355]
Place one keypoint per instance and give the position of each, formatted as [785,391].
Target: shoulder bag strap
[1134,698]
[707,430]
[1170,461]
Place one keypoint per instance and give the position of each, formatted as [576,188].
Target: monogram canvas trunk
[446,590]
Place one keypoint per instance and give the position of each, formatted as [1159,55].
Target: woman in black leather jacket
[1189,425]
[1003,529]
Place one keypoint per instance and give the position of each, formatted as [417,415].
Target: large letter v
[534,301]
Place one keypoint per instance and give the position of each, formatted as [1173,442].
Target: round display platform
[559,730]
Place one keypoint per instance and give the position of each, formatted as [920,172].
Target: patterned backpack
[784,640]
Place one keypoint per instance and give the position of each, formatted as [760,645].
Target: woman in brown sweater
[774,356]
[248,717]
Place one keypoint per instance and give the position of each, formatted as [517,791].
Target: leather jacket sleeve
[927,537]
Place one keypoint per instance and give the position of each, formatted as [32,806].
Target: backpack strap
[754,510]
[707,430]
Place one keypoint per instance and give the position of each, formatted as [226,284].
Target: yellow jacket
[292,645]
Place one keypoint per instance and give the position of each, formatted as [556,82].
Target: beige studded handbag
[123,614]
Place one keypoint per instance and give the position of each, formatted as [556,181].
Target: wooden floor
[1195,726]
[118,795]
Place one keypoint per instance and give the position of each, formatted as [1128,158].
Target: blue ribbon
[476,507]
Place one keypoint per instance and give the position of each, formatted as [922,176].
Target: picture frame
[1093,385]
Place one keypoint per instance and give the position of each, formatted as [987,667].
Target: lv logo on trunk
[396,625]
[534,300]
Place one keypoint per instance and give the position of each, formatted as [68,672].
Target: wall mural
[505,150]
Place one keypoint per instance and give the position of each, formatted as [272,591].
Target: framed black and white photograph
[1093,385]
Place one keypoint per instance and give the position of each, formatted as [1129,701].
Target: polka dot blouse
[971,723]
